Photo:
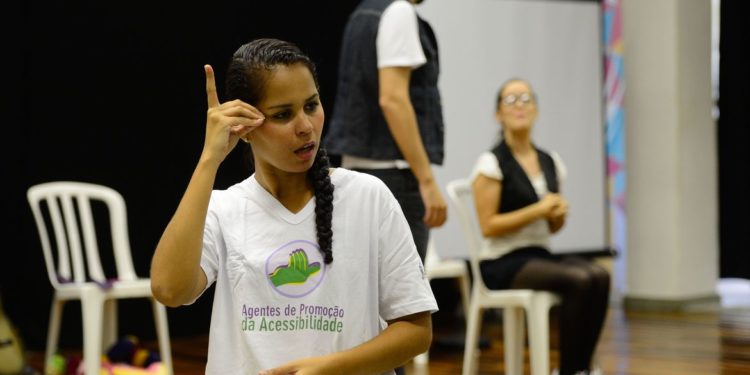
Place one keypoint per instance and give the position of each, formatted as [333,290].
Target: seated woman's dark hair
[247,75]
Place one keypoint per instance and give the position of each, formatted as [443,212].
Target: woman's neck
[519,142]
[292,190]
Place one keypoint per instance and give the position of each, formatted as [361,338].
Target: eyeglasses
[511,99]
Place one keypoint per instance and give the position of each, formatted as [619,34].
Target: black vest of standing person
[517,191]
[358,127]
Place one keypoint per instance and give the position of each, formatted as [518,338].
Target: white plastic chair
[76,271]
[444,268]
[514,302]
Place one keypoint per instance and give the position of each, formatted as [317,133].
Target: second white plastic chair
[75,269]
[516,303]
[445,268]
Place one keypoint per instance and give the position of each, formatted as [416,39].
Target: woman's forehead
[287,82]
[517,87]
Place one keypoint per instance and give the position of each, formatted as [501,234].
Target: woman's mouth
[306,152]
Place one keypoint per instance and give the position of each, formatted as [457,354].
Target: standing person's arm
[176,276]
[402,123]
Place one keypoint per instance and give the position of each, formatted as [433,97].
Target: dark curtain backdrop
[733,136]
[113,93]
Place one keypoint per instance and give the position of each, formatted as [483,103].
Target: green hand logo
[296,272]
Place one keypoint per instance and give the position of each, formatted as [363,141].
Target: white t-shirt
[397,45]
[276,300]
[535,233]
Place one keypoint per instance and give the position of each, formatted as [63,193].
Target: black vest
[517,191]
[358,127]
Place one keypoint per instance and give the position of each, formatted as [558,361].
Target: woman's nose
[303,124]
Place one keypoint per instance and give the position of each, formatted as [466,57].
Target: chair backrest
[462,198]
[431,258]
[68,208]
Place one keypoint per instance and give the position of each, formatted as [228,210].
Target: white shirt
[398,42]
[275,298]
[397,45]
[534,234]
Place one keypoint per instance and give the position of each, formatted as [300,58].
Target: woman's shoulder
[552,154]
[546,151]
[233,192]
[487,165]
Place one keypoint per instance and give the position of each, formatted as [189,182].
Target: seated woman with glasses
[519,205]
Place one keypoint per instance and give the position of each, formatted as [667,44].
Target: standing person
[519,205]
[315,268]
[387,117]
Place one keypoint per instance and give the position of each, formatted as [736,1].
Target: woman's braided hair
[246,79]
[323,203]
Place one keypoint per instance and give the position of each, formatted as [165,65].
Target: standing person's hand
[435,209]
[226,122]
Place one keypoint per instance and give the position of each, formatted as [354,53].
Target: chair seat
[118,289]
[447,268]
[505,298]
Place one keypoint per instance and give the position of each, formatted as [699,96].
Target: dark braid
[323,188]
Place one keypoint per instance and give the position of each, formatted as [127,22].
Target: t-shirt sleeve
[560,169]
[404,287]
[397,42]
[210,253]
[487,166]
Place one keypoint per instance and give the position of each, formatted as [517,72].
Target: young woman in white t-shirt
[315,269]
[519,205]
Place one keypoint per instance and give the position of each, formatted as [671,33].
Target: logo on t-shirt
[295,269]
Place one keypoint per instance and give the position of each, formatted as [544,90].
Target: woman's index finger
[213,98]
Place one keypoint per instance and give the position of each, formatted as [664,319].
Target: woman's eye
[312,106]
[283,115]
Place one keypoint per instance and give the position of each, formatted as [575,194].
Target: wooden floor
[632,343]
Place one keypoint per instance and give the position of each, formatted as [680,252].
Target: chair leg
[162,332]
[474,324]
[513,330]
[92,306]
[53,332]
[109,333]
[465,293]
[539,334]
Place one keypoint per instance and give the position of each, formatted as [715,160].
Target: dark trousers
[405,188]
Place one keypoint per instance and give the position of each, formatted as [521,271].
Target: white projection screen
[557,47]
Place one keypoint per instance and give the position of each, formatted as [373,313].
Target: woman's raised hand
[226,122]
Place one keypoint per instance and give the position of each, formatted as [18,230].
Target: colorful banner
[614,86]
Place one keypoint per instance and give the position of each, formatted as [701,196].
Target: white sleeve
[487,166]
[398,42]
[403,286]
[211,246]
[560,169]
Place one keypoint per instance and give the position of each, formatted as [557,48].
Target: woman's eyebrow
[287,105]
